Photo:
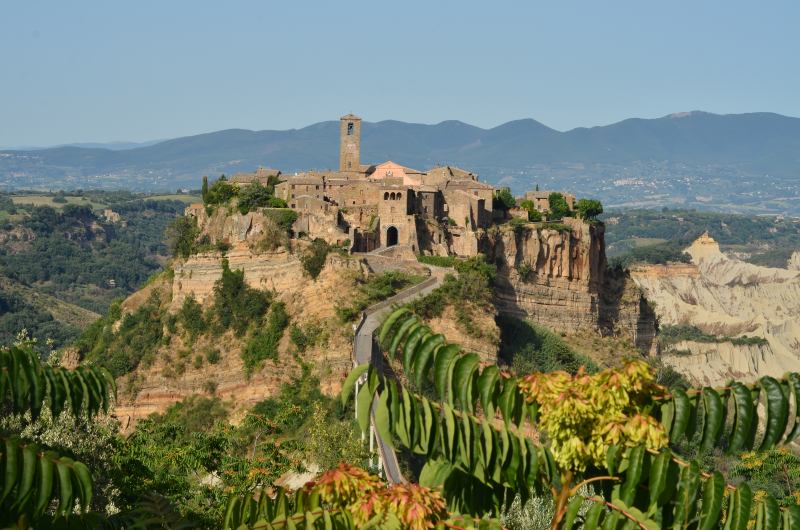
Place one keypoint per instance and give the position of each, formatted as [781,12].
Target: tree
[182,235]
[603,446]
[33,478]
[533,214]
[504,199]
[558,206]
[204,189]
[588,208]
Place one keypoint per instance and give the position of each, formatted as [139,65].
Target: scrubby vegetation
[528,347]
[671,335]
[263,342]
[438,261]
[375,289]
[313,259]
[467,291]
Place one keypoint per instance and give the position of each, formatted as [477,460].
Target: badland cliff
[747,315]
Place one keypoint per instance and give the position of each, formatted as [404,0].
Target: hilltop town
[373,206]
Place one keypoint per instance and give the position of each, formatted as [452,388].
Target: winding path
[366,350]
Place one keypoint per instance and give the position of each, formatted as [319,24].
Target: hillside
[66,258]
[698,159]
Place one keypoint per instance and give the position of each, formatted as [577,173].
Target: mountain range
[695,144]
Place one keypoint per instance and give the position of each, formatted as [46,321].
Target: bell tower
[350,143]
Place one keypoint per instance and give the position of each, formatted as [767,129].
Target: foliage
[588,209]
[220,193]
[304,338]
[34,478]
[74,254]
[769,240]
[528,347]
[660,253]
[182,236]
[139,334]
[473,282]
[256,195]
[558,206]
[284,217]
[347,498]
[374,289]
[263,343]
[438,261]
[313,259]
[237,305]
[669,335]
[610,428]
[191,317]
[775,471]
[533,213]
[17,313]
[504,199]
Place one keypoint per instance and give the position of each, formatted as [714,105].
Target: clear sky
[75,71]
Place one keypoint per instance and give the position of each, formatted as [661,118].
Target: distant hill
[694,144]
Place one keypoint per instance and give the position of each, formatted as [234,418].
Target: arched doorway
[391,236]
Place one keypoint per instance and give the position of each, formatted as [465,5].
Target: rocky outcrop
[558,277]
[728,298]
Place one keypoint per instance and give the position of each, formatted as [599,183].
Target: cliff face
[727,297]
[558,278]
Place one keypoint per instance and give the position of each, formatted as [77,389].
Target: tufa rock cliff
[558,277]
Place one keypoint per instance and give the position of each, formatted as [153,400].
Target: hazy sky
[141,70]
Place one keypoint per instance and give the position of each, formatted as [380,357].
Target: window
[399,196]
[349,165]
[350,129]
[386,196]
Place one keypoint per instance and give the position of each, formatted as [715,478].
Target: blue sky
[141,70]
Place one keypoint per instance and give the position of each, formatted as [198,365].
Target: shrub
[305,338]
[263,343]
[588,209]
[191,317]
[504,199]
[236,305]
[212,355]
[221,192]
[181,236]
[253,196]
[284,217]
[438,261]
[313,259]
[558,206]
[198,362]
[525,271]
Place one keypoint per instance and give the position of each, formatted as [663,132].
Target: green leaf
[487,389]
[713,421]
[423,357]
[462,379]
[412,348]
[65,498]
[363,404]
[659,468]
[434,473]
[740,514]
[507,401]
[713,495]
[772,514]
[441,367]
[390,321]
[743,420]
[683,412]
[777,412]
[405,328]
[572,512]
[382,420]
[350,382]
[793,381]
[685,502]
[45,486]
[635,459]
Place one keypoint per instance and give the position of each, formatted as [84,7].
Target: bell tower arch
[350,143]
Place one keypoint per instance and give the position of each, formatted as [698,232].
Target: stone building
[542,199]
